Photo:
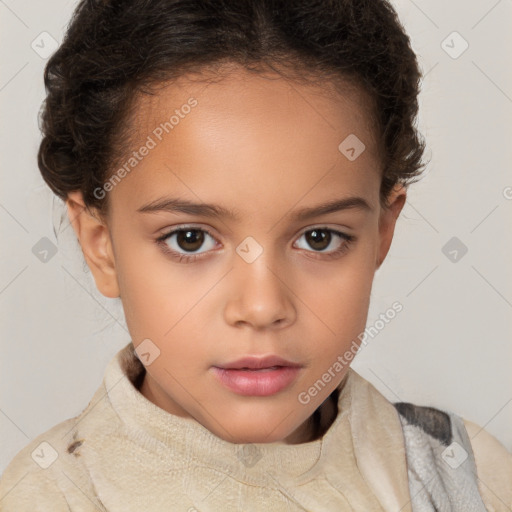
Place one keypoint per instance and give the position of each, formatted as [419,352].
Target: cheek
[340,292]
[163,302]
[148,289]
[336,305]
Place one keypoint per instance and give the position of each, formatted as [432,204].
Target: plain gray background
[450,347]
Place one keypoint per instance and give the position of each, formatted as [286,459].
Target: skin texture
[265,147]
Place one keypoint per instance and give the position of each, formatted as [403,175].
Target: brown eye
[190,239]
[185,241]
[326,242]
[318,239]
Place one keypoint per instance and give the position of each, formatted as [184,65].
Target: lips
[257,376]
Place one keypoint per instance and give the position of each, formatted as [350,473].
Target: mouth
[253,376]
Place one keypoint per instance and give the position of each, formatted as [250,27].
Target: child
[276,139]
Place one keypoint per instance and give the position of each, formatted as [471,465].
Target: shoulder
[32,479]
[494,467]
[49,473]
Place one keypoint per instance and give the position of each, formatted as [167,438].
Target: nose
[259,295]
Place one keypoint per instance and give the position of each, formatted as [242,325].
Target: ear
[94,238]
[387,221]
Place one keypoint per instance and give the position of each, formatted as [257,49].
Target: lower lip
[263,382]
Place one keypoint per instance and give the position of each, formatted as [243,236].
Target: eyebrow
[176,205]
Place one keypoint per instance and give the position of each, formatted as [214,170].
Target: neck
[318,423]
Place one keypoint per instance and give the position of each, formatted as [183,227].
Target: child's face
[264,284]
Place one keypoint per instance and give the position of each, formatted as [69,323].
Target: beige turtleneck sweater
[124,454]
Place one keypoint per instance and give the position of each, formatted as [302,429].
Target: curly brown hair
[114,50]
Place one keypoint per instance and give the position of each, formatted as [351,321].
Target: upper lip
[256,362]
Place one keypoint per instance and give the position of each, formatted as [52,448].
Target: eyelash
[189,258]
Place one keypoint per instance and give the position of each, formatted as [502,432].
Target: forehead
[232,91]
[246,136]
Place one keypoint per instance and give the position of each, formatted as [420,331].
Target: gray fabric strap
[441,465]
